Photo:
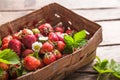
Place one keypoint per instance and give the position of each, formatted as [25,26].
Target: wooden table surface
[104,12]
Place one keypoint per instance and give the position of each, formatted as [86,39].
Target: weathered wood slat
[71,4]
[111,32]
[100,14]
[9,16]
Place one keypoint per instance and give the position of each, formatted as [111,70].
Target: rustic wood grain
[104,12]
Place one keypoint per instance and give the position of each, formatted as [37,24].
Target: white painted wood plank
[111,32]
[28,4]
[99,14]
[9,16]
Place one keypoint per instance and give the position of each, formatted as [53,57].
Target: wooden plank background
[104,12]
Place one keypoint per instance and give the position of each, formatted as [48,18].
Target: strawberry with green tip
[49,58]
[46,47]
[45,29]
[57,54]
[31,63]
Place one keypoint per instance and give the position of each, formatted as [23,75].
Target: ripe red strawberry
[49,58]
[5,42]
[17,35]
[4,46]
[60,45]
[26,32]
[69,31]
[57,54]
[4,66]
[4,76]
[45,29]
[60,36]
[15,45]
[6,39]
[28,40]
[59,29]
[27,52]
[46,47]
[53,37]
[38,35]
[31,63]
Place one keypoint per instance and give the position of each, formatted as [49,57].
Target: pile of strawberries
[35,48]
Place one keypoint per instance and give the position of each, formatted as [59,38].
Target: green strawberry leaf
[4,61]
[81,43]
[8,56]
[68,40]
[102,66]
[79,36]
[69,44]
[77,41]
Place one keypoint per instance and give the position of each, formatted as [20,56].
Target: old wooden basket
[55,13]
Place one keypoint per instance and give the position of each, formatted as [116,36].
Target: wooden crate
[55,13]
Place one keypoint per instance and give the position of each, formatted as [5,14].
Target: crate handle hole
[56,15]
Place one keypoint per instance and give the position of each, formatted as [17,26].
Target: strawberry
[26,52]
[4,66]
[17,35]
[13,71]
[45,29]
[28,40]
[53,37]
[6,39]
[59,29]
[60,36]
[69,31]
[4,46]
[60,45]
[57,54]
[15,45]
[49,58]
[27,32]
[46,47]
[38,35]
[31,63]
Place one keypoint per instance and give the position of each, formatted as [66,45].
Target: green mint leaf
[8,56]
[79,36]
